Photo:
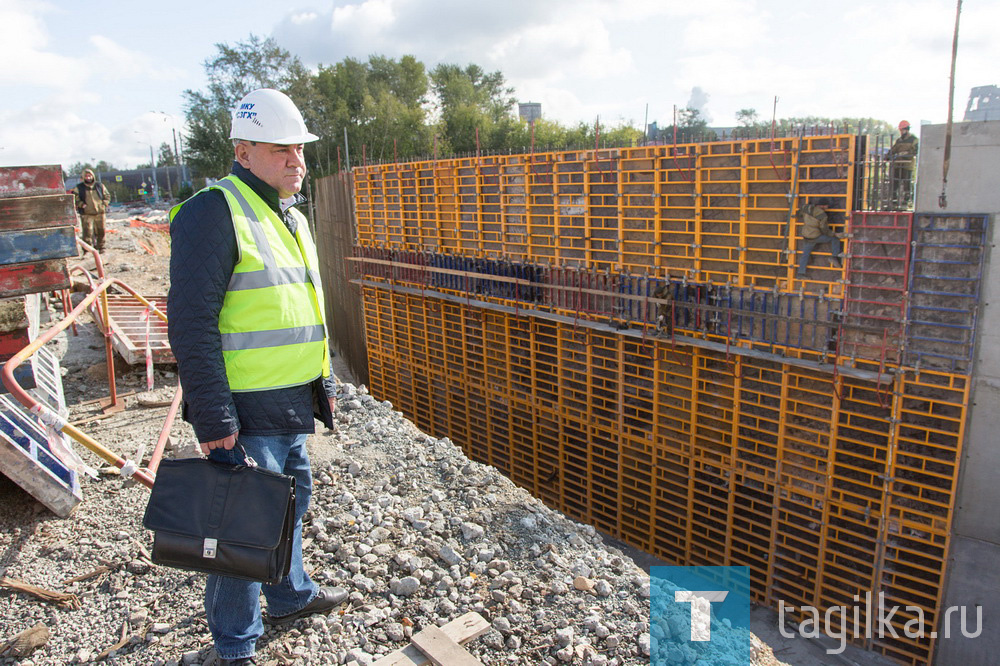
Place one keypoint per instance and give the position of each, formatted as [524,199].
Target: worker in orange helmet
[902,158]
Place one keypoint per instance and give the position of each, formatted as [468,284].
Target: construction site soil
[407,531]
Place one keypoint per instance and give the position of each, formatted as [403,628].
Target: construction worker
[92,201]
[902,159]
[664,311]
[247,326]
[815,231]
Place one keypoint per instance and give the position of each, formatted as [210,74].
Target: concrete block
[975,152]
[973,581]
[975,509]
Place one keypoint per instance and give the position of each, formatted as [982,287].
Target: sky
[104,80]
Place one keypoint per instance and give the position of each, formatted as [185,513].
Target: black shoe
[323,603]
[242,661]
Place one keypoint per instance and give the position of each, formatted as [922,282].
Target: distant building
[134,184]
[529,111]
[984,103]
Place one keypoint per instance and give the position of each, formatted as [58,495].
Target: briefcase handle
[247,460]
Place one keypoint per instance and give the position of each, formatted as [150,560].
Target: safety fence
[44,416]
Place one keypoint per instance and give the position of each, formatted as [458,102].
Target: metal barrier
[49,417]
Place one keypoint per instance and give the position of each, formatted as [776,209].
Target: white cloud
[62,113]
[567,48]
[23,42]
[78,83]
[114,61]
[367,19]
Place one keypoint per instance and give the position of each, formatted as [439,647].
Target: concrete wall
[973,575]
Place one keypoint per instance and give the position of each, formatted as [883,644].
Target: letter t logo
[701,610]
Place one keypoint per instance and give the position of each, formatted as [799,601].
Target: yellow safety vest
[272,320]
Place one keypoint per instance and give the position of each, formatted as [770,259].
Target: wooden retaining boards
[31,181]
[37,222]
[32,245]
[12,342]
[33,277]
[53,210]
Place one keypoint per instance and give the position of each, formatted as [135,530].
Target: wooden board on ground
[460,630]
[53,210]
[33,277]
[28,245]
[442,650]
[24,181]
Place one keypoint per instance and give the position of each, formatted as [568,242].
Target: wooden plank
[28,245]
[14,314]
[33,277]
[23,375]
[12,342]
[53,210]
[441,649]
[461,630]
[26,181]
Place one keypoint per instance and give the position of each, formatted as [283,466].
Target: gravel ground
[403,526]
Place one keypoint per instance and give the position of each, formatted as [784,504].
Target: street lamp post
[178,148]
[152,164]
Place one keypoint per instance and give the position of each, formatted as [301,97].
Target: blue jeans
[809,244]
[232,605]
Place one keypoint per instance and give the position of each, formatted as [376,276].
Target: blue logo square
[700,614]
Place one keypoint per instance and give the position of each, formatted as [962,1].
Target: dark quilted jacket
[202,257]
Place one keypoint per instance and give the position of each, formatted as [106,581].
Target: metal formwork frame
[813,480]
[713,212]
[766,427]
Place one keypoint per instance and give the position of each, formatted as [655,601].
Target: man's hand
[224,443]
[333,404]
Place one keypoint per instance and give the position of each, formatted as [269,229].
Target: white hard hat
[269,116]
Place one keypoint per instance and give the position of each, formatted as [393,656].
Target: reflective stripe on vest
[272,320]
[277,338]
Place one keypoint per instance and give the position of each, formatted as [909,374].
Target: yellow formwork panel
[826,486]
[718,212]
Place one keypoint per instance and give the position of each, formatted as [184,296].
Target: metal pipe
[161,443]
[52,418]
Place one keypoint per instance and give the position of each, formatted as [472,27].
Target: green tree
[469,99]
[691,126]
[747,117]
[847,124]
[232,73]
[379,105]
[75,169]
[165,156]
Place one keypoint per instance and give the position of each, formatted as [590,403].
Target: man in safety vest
[248,328]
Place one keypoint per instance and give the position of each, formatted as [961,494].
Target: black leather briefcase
[232,520]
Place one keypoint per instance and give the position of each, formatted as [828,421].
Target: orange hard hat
[904,124]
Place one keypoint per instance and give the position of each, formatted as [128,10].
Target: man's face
[281,167]
[88,178]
